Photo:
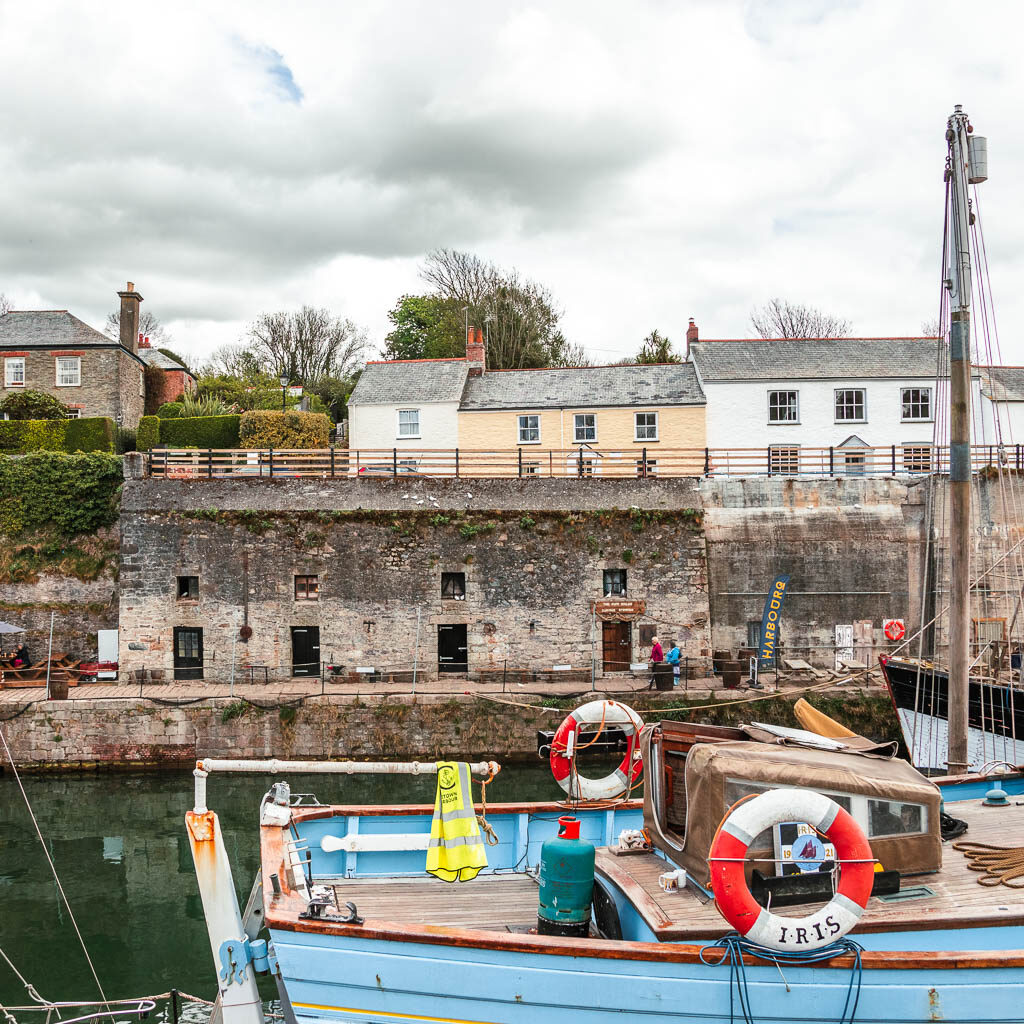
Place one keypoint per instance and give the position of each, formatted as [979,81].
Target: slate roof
[1003,383]
[410,380]
[154,357]
[585,387]
[803,359]
[48,328]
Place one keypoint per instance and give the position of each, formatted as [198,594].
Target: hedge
[147,436]
[264,429]
[90,434]
[198,432]
[76,493]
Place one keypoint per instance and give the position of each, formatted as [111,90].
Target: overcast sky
[648,162]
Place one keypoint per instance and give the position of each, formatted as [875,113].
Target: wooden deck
[959,901]
[490,902]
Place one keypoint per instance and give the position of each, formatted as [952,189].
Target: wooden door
[617,647]
[188,653]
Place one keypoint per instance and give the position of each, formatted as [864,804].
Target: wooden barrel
[731,674]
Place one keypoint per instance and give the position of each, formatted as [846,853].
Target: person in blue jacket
[673,659]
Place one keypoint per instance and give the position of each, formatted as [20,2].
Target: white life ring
[563,751]
[743,823]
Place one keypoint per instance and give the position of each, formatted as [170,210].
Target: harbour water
[119,845]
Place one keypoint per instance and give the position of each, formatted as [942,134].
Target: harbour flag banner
[770,622]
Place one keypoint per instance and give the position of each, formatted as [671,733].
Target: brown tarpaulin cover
[710,765]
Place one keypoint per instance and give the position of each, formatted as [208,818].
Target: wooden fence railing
[529,463]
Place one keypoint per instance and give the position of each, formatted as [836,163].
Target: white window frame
[399,424]
[577,426]
[646,426]
[9,365]
[795,407]
[58,370]
[863,417]
[527,428]
[916,419]
[74,414]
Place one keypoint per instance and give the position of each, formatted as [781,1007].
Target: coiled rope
[998,865]
[733,947]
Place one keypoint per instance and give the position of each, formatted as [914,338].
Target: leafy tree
[656,348]
[519,316]
[33,405]
[307,345]
[149,326]
[426,327]
[333,392]
[780,318]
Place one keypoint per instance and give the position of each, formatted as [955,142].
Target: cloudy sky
[648,162]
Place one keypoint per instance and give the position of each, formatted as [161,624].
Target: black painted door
[188,653]
[452,648]
[305,650]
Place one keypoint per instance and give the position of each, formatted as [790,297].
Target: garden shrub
[33,405]
[200,431]
[169,410]
[147,436]
[92,434]
[74,493]
[265,429]
[89,434]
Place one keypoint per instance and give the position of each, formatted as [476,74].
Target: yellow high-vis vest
[456,852]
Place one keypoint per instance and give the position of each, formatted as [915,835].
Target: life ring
[894,629]
[743,823]
[563,750]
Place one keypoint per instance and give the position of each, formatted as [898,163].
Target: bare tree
[519,316]
[6,305]
[149,326]
[232,360]
[307,345]
[930,328]
[783,319]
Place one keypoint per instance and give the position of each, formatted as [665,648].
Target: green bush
[33,405]
[75,493]
[169,410]
[92,434]
[200,432]
[264,429]
[89,434]
[147,436]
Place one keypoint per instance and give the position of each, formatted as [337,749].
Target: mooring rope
[997,865]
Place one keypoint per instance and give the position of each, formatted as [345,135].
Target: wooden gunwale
[283,912]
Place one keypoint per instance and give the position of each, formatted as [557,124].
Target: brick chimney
[691,336]
[476,352]
[144,342]
[130,301]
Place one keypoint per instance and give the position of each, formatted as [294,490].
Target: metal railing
[581,462]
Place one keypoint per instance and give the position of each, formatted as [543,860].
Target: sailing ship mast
[966,164]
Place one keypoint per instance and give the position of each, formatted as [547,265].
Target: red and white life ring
[563,750]
[745,821]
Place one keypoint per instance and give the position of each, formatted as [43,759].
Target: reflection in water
[119,844]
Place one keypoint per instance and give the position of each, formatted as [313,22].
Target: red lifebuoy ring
[744,822]
[894,630]
[563,748]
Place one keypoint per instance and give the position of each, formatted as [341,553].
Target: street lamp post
[284,384]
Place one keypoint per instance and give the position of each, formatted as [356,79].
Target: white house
[828,405]
[1002,388]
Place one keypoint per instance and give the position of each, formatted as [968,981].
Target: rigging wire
[53,868]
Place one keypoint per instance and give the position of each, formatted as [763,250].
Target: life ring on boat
[746,820]
[563,750]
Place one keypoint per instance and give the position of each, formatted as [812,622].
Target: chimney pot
[691,331]
[476,354]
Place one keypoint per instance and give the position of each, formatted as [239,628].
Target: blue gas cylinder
[566,882]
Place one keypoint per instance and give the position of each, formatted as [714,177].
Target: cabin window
[784,460]
[615,583]
[529,430]
[783,406]
[408,423]
[917,404]
[917,458]
[849,405]
[307,588]
[453,586]
[895,818]
[646,424]
[14,372]
[585,426]
[188,588]
[737,789]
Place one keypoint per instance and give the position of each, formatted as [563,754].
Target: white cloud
[648,162]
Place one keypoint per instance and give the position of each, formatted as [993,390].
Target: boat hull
[920,694]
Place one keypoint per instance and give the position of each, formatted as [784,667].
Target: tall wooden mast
[966,165]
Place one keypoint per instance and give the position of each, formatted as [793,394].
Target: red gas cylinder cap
[568,827]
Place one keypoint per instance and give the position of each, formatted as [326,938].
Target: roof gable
[410,380]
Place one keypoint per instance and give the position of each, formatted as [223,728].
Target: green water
[119,845]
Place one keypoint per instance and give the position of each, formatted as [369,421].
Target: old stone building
[51,350]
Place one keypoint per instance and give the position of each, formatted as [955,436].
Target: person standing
[657,654]
[673,659]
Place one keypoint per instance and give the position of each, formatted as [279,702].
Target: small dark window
[453,586]
[307,588]
[647,634]
[188,588]
[615,583]
[753,632]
